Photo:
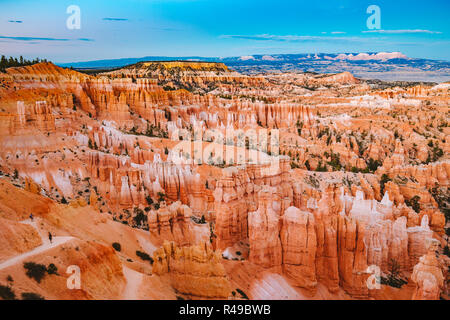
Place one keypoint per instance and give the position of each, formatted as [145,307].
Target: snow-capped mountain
[368,65]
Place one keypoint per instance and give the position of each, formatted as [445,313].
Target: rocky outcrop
[17,238]
[195,270]
[100,268]
[299,245]
[175,74]
[171,223]
[352,256]
[237,192]
[326,223]
[131,182]
[417,241]
[427,275]
[263,232]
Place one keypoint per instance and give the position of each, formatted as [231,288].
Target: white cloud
[402,31]
[287,38]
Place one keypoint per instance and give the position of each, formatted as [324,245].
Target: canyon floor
[188,180]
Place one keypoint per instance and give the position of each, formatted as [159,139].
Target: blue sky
[137,28]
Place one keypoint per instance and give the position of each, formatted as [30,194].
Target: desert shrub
[161,196]
[149,200]
[242,293]
[393,282]
[437,153]
[117,246]
[394,278]
[321,168]
[140,218]
[414,203]
[6,293]
[335,162]
[31,296]
[373,164]
[52,269]
[440,194]
[384,179]
[35,271]
[144,256]
[308,167]
[447,251]
[198,220]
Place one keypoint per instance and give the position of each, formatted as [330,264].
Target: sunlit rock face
[427,275]
[299,243]
[225,180]
[195,270]
[265,244]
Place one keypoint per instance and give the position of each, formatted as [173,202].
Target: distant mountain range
[387,66]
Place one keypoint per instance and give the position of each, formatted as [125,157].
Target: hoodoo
[190,180]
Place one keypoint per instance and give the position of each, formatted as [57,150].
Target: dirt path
[57,241]
[46,245]
[274,287]
[134,280]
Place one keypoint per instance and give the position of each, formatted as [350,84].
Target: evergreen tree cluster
[6,62]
